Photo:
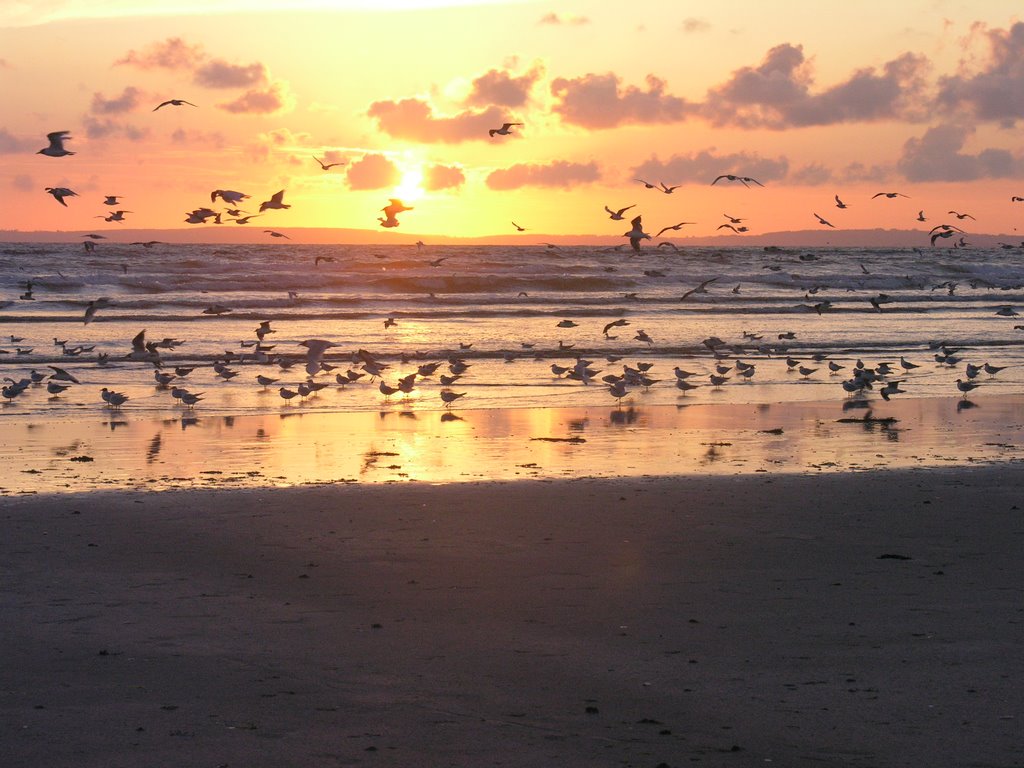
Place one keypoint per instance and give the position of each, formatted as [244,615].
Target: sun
[411,185]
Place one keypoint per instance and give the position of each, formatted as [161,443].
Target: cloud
[96,128]
[692,25]
[937,156]
[440,177]
[274,98]
[597,101]
[996,92]
[556,174]
[501,88]
[12,145]
[777,93]
[704,166]
[569,19]
[204,139]
[811,175]
[126,102]
[373,171]
[858,172]
[5,64]
[23,183]
[172,53]
[414,119]
[220,74]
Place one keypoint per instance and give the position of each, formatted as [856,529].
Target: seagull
[325,166]
[275,201]
[702,288]
[395,207]
[944,233]
[643,336]
[112,200]
[675,227]
[920,216]
[389,222]
[272,233]
[737,230]
[114,216]
[889,195]
[614,324]
[505,130]
[636,234]
[617,215]
[966,386]
[90,311]
[229,196]
[518,228]
[56,148]
[823,221]
[172,103]
[59,193]
[746,181]
[733,219]
[59,374]
[669,190]
[840,203]
[962,216]
[438,261]
[450,397]
[246,219]
[287,394]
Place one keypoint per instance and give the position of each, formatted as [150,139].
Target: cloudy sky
[813,99]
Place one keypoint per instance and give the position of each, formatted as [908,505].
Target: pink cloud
[126,102]
[501,88]
[996,91]
[414,119]
[220,74]
[12,145]
[777,93]
[599,101]
[172,53]
[440,177]
[102,129]
[373,171]
[557,20]
[938,156]
[273,98]
[702,167]
[556,174]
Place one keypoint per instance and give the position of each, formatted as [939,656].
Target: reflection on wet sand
[389,446]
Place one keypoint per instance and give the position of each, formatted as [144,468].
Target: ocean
[508,313]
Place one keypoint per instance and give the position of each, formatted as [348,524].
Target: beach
[846,619]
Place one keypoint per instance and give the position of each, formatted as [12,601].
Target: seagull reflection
[154,448]
[449,416]
[965,405]
[621,417]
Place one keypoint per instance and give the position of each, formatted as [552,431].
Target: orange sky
[920,97]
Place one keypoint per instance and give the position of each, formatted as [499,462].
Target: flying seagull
[636,234]
[228,196]
[518,228]
[823,221]
[59,193]
[172,103]
[889,195]
[617,215]
[840,203]
[275,201]
[675,227]
[56,148]
[505,130]
[325,166]
[962,216]
[746,181]
[272,233]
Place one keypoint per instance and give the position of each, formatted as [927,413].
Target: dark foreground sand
[872,619]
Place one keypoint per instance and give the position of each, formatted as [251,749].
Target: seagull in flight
[737,230]
[962,216]
[840,203]
[505,130]
[230,197]
[245,219]
[920,216]
[889,195]
[112,200]
[617,215]
[395,207]
[823,221]
[325,166]
[733,219]
[702,288]
[56,147]
[675,227]
[669,190]
[114,216]
[646,184]
[172,103]
[59,193]
[1017,199]
[275,201]
[746,181]
[518,228]
[272,233]
[636,234]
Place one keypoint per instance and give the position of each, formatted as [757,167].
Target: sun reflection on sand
[503,444]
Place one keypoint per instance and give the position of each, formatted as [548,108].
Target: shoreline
[856,619]
[122,451]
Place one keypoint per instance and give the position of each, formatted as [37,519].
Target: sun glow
[411,185]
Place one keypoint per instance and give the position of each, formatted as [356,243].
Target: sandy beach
[844,619]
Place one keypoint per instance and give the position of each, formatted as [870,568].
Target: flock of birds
[863,377]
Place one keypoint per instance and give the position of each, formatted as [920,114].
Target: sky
[812,99]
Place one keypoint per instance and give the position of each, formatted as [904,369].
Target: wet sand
[844,619]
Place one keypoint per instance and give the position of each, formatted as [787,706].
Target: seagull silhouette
[746,181]
[675,227]
[172,103]
[275,201]
[518,228]
[617,215]
[889,195]
[823,221]
[59,193]
[505,130]
[636,234]
[325,166]
[56,147]
[840,203]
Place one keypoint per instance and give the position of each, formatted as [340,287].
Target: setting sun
[411,185]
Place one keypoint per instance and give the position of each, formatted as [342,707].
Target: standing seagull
[56,148]
[275,201]
[505,130]
[636,234]
[172,103]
